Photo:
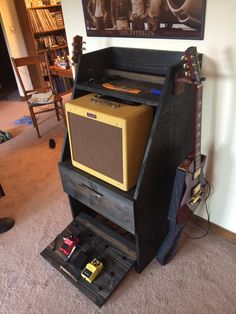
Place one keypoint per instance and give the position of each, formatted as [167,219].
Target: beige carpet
[200,279]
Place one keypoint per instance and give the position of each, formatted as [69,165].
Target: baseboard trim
[224,233]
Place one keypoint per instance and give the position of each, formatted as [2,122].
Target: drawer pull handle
[98,195]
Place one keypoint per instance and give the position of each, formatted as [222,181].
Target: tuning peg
[185,66]
[183,58]
[187,73]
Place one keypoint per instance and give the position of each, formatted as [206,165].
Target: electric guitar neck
[189,183]
[193,74]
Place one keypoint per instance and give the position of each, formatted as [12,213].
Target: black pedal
[78,261]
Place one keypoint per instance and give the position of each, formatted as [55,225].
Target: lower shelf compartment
[96,241]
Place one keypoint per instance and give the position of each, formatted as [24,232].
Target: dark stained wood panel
[170,141]
[97,241]
[101,199]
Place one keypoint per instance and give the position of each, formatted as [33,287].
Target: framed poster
[178,19]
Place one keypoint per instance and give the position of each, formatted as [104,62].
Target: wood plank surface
[55,70]
[109,204]
[97,241]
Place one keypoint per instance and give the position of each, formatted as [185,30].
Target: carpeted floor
[200,279]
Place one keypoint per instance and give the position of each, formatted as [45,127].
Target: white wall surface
[219,98]
[11,28]
[12,32]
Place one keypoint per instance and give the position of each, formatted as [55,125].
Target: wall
[219,107]
[12,31]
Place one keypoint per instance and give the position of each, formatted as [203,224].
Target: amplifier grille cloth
[97,145]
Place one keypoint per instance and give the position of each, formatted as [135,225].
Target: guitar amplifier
[108,139]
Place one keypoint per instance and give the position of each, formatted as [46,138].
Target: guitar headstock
[192,65]
[77,48]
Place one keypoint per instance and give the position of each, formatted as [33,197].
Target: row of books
[43,20]
[57,53]
[62,84]
[50,41]
[58,18]
[35,3]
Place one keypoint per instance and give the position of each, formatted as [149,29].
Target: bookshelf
[43,31]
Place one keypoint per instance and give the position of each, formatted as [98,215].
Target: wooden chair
[40,87]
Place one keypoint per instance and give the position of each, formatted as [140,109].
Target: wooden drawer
[115,207]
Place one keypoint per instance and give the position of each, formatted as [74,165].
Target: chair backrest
[38,71]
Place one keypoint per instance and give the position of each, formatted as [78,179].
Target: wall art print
[178,19]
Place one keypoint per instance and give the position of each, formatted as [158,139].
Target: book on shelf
[35,3]
[28,3]
[61,40]
[58,18]
[62,84]
[50,41]
[39,3]
[55,2]
[43,20]
[60,53]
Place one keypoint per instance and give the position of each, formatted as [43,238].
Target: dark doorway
[8,86]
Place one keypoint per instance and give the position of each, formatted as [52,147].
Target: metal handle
[98,195]
[108,102]
[68,273]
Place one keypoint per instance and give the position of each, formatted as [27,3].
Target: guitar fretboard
[193,72]
[198,124]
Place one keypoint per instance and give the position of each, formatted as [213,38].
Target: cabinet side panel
[168,148]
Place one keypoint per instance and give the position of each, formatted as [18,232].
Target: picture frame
[172,19]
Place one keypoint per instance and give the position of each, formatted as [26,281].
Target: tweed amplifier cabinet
[108,139]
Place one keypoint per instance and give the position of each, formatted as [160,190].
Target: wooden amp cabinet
[137,219]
